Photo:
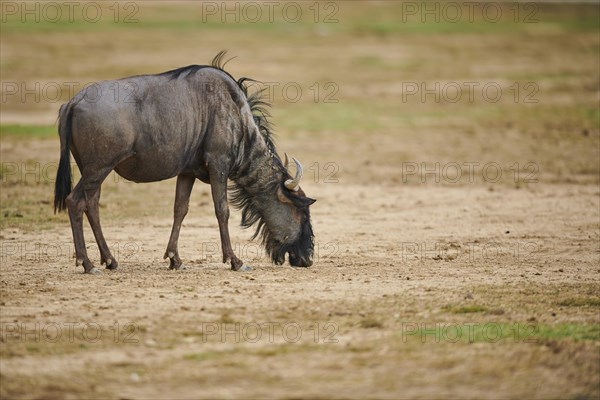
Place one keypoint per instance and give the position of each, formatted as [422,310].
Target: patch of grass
[494,332]
[362,348]
[287,348]
[204,356]
[272,351]
[269,351]
[345,116]
[580,302]
[369,61]
[51,386]
[35,131]
[396,18]
[388,18]
[192,333]
[106,17]
[29,216]
[571,331]
[52,341]
[384,28]
[226,318]
[593,116]
[464,309]
[370,323]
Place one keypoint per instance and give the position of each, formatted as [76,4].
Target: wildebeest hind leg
[77,204]
[93,214]
[182,202]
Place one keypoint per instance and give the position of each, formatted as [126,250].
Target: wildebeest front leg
[182,202]
[218,185]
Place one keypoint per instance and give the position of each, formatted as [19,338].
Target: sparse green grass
[28,131]
[464,309]
[344,117]
[569,331]
[268,351]
[29,217]
[49,386]
[204,356]
[580,302]
[494,332]
[391,18]
[58,339]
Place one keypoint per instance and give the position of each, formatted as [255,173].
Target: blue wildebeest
[195,122]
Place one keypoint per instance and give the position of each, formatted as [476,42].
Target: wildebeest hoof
[88,267]
[93,271]
[175,263]
[111,263]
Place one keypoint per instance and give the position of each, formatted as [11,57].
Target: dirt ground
[457,244]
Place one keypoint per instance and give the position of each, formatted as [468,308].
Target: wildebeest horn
[287,162]
[294,184]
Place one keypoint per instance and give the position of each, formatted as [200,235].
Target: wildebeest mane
[258,106]
[179,72]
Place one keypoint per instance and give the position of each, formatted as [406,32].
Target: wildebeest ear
[295,198]
[303,201]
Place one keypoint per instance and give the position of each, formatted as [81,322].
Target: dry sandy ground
[514,271]
[419,289]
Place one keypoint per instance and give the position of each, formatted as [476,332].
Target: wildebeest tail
[62,186]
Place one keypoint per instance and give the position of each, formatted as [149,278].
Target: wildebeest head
[292,223]
[280,210]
